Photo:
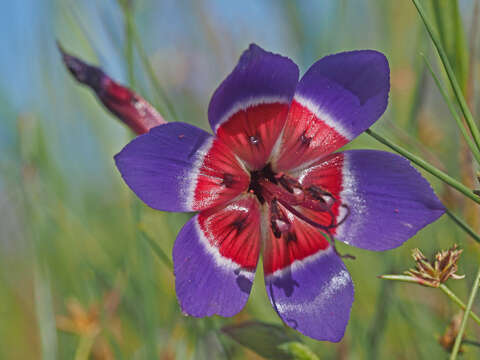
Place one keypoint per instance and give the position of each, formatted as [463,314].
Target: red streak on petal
[306,138]
[328,176]
[234,230]
[251,133]
[220,177]
[300,242]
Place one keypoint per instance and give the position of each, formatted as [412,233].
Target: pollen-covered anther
[254,140]
[278,220]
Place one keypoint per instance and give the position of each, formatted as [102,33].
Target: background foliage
[78,274]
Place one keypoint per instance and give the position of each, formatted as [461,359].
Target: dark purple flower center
[277,189]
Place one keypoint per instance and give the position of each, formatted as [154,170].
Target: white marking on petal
[254,101]
[334,286]
[356,203]
[189,180]
[299,264]
[322,115]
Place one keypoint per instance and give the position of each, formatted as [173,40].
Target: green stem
[451,76]
[403,278]
[458,120]
[443,287]
[161,94]
[471,342]
[129,54]
[426,166]
[157,250]
[460,222]
[459,302]
[468,309]
[84,347]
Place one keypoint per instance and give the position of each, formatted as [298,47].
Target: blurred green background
[79,279]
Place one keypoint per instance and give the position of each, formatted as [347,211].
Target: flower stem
[157,250]
[451,107]
[128,18]
[161,94]
[468,309]
[451,76]
[426,166]
[459,302]
[84,347]
[404,278]
[460,222]
[443,287]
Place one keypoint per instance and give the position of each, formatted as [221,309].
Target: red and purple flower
[269,181]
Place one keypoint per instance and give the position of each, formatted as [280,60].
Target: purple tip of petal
[158,165]
[314,296]
[389,200]
[258,75]
[351,88]
[206,283]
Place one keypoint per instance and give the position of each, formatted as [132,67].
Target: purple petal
[179,167]
[338,98]
[249,108]
[313,296]
[259,77]
[388,201]
[215,257]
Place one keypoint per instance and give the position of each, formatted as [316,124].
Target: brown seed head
[433,273]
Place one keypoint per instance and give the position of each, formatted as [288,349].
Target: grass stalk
[447,179]
[451,107]
[451,76]
[468,309]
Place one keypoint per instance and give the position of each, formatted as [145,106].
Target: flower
[122,102]
[269,181]
[92,322]
[438,271]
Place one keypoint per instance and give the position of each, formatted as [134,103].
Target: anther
[305,139]
[321,195]
[228,180]
[254,140]
[278,220]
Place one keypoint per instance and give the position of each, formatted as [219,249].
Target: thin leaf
[451,75]
[264,339]
[448,21]
[451,107]
[457,185]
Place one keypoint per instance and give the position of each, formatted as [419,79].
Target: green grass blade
[451,76]
[464,226]
[448,21]
[164,258]
[447,179]
[458,340]
[451,107]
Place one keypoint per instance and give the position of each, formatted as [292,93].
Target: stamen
[228,180]
[282,189]
[278,221]
[320,194]
[343,256]
[254,140]
[305,139]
